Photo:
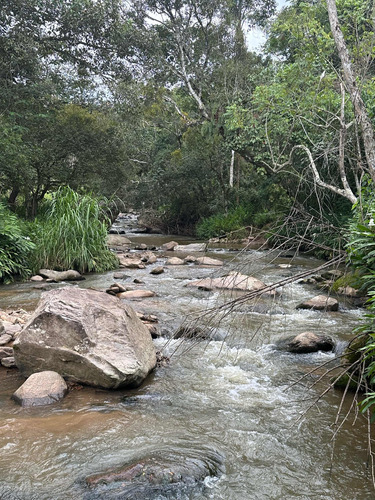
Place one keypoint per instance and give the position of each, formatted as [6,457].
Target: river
[232,396]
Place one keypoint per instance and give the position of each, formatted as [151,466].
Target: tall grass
[73,234]
[15,247]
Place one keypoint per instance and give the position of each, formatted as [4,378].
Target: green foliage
[73,234]
[361,253]
[221,225]
[361,236]
[15,247]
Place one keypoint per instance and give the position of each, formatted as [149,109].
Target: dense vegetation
[162,104]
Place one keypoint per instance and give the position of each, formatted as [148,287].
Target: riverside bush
[15,247]
[361,252]
[73,234]
[221,225]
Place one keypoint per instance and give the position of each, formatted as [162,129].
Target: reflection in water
[231,396]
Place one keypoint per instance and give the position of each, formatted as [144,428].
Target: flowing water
[232,396]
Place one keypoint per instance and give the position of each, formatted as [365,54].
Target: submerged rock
[42,388]
[88,337]
[310,342]
[320,303]
[157,475]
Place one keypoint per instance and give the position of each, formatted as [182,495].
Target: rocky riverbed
[224,406]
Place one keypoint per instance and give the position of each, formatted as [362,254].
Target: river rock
[130,262]
[5,339]
[9,362]
[42,388]
[207,261]
[136,294]
[116,288]
[149,257]
[117,241]
[233,281]
[162,475]
[141,246]
[36,278]
[2,328]
[69,275]
[170,246]
[120,276]
[174,261]
[157,270]
[6,352]
[88,337]
[310,342]
[192,247]
[320,303]
[348,291]
[333,274]
[153,329]
[12,329]
[190,259]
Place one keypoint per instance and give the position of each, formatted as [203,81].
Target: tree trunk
[350,81]
[231,170]
[13,196]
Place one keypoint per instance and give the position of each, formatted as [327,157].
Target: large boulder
[69,275]
[41,388]
[88,337]
[320,303]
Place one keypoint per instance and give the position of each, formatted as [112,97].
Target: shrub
[15,247]
[223,224]
[73,234]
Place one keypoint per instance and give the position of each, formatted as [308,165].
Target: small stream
[232,396]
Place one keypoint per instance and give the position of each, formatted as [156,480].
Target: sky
[256,38]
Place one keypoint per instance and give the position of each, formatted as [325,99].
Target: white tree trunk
[231,170]
[350,81]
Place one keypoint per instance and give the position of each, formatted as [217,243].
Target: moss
[352,278]
[345,382]
[353,351]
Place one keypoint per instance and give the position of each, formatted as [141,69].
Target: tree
[352,85]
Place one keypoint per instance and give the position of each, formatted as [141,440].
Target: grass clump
[15,247]
[73,234]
